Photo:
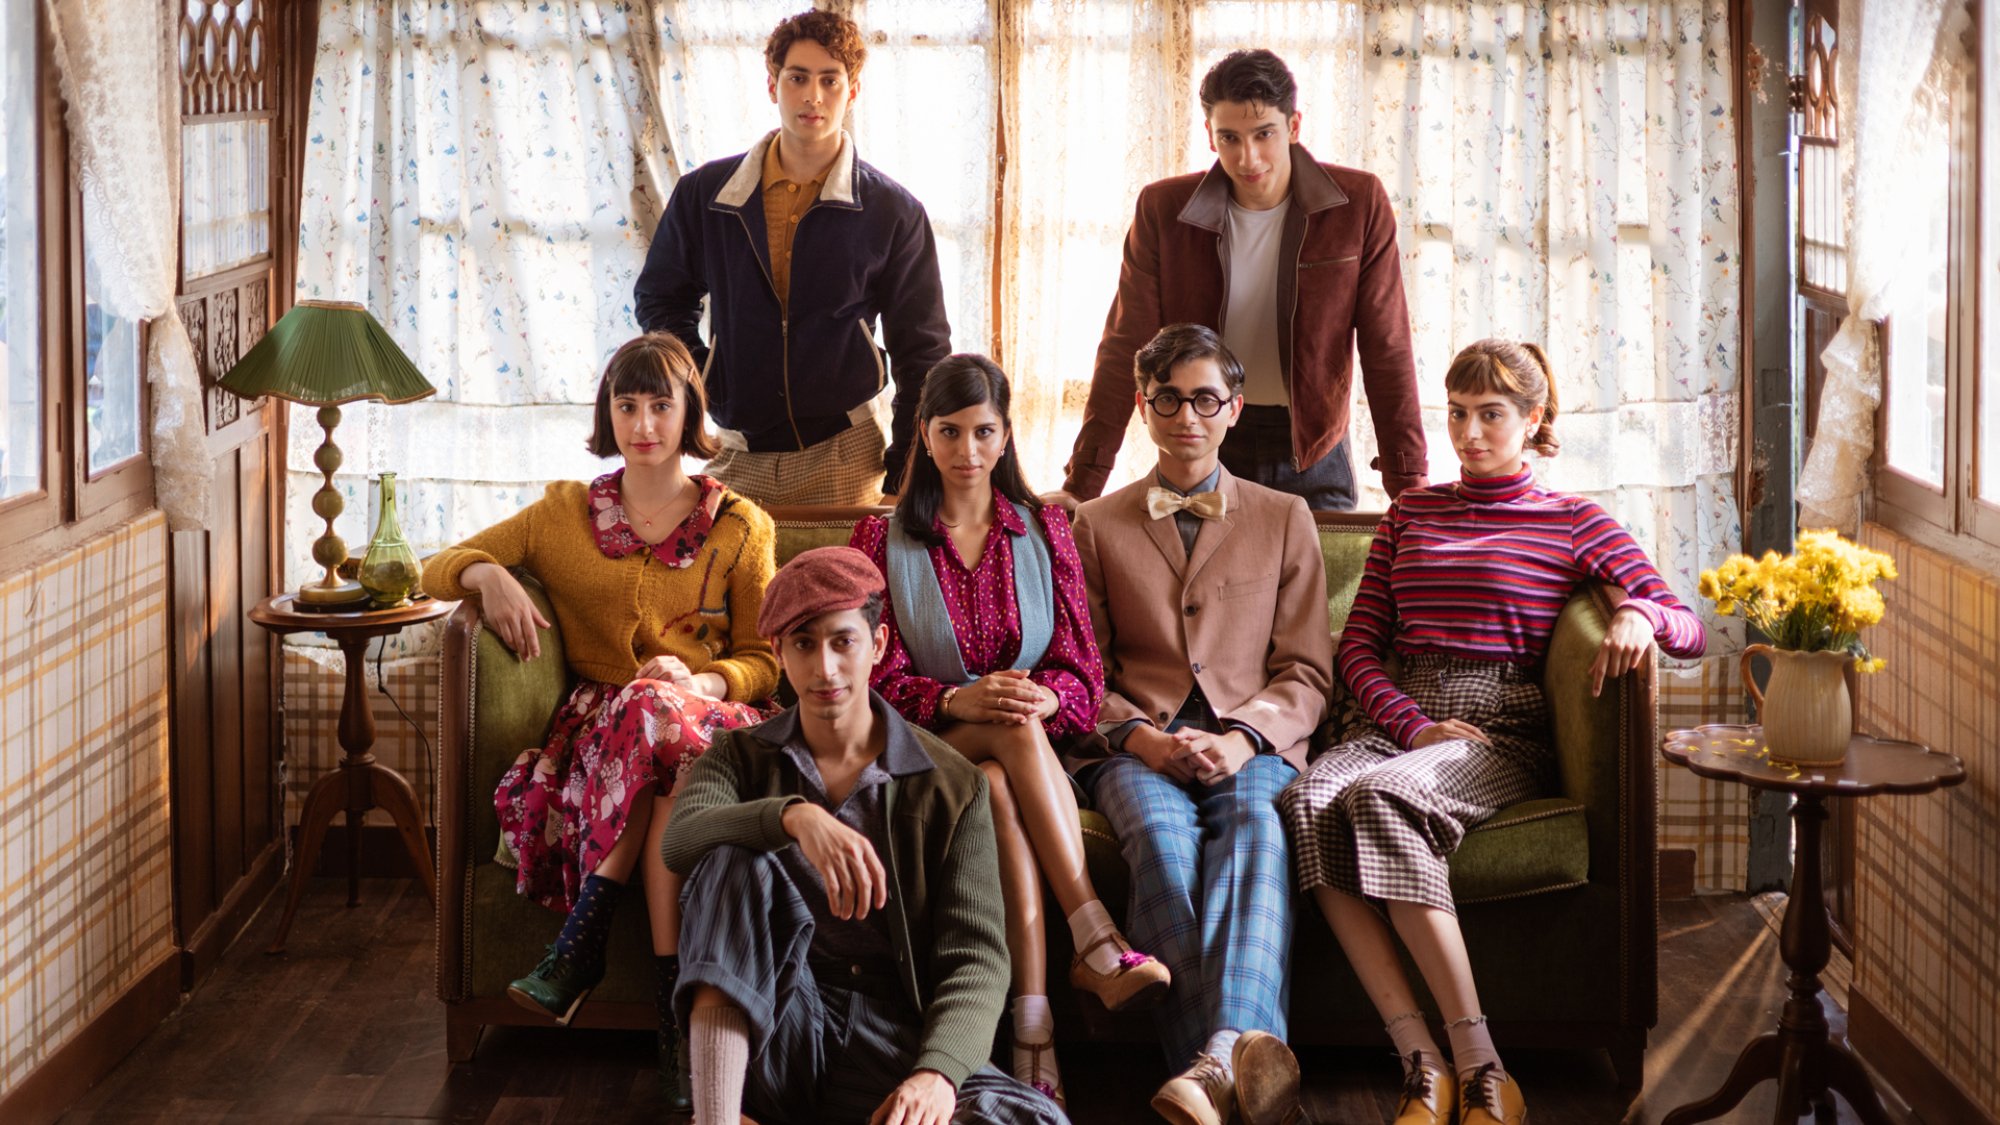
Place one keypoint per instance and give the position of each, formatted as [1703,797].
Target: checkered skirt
[1373,820]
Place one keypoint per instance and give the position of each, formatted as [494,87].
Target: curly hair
[1516,370]
[837,33]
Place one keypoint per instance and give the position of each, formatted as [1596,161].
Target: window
[73,415]
[21,415]
[1937,475]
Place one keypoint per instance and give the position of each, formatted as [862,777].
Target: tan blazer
[1243,614]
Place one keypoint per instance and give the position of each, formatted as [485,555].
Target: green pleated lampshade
[324,353]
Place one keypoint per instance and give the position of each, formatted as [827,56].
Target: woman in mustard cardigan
[656,578]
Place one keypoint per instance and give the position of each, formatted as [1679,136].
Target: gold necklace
[646,520]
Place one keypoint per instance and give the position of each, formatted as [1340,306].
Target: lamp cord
[382,685]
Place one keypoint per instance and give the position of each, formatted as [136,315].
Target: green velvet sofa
[1557,894]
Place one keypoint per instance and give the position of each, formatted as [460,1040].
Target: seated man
[1208,596]
[841,948]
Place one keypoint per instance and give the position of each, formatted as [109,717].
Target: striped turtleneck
[1481,568]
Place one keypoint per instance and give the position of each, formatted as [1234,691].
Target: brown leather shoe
[1038,1077]
[1490,1097]
[1267,1080]
[1430,1094]
[1138,979]
[1199,1095]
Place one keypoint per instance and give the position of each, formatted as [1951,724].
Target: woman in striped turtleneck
[1464,584]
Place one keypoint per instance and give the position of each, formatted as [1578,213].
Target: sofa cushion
[1524,849]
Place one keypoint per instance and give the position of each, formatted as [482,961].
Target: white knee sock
[1034,1023]
[718,1054]
[1471,1045]
[1412,1036]
[1089,924]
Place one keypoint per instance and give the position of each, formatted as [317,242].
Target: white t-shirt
[1250,322]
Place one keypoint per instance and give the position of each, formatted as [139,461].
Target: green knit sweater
[945,910]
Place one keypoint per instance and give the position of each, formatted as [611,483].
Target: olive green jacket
[945,910]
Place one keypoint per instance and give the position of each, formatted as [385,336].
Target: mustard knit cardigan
[615,614]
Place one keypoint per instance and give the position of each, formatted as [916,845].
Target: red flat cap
[822,580]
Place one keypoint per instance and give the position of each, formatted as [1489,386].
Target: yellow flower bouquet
[1816,599]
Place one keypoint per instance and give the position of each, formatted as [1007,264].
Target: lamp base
[345,596]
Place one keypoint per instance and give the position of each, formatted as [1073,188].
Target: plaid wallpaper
[86,857]
[1711,817]
[314,680]
[1927,878]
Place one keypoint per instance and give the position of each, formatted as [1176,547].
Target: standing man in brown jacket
[1294,262]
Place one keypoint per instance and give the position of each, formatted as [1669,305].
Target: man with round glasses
[1294,264]
[1208,597]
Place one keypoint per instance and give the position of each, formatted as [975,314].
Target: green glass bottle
[389,573]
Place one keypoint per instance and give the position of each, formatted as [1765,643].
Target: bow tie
[1165,501]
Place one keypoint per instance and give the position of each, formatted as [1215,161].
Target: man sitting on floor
[1208,595]
[842,956]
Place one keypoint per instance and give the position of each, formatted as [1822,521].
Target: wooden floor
[343,1027]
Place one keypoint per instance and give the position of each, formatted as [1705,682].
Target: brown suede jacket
[1345,290]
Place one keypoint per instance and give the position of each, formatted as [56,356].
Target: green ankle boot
[676,1087]
[558,986]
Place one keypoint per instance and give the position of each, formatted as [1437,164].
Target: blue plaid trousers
[1211,893]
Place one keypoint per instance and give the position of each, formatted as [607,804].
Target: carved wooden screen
[239,64]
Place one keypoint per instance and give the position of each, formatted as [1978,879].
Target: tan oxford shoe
[1200,1095]
[1491,1097]
[1430,1094]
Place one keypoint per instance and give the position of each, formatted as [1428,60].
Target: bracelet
[944,702]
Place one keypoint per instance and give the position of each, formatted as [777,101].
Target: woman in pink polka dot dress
[990,646]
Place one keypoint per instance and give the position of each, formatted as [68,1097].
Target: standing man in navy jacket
[800,246]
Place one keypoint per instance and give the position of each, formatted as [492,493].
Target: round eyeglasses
[1168,403]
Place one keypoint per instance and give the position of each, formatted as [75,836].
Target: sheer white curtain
[1562,171]
[485,179]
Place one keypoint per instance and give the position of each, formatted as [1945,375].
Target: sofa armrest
[1605,757]
[493,706]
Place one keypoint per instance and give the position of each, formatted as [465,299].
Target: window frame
[73,504]
[1953,518]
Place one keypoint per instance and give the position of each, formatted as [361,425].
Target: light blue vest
[924,623]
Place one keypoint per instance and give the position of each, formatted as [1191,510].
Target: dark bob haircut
[958,382]
[1179,343]
[1258,77]
[657,364]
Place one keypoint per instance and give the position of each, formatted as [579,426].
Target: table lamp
[325,353]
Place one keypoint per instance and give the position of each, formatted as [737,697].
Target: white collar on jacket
[839,186]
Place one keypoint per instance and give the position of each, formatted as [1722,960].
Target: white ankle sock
[718,1054]
[1088,924]
[1413,1036]
[1034,1023]
[1471,1046]
[1220,1045]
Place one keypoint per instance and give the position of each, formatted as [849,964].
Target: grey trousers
[818,1052]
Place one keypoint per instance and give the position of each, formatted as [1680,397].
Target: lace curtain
[1563,172]
[121,89]
[1893,62]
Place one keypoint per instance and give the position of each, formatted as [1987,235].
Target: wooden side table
[1802,1056]
[361,783]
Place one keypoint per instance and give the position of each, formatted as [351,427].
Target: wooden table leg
[392,791]
[323,802]
[1802,1054]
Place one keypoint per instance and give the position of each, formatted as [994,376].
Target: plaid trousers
[819,1052]
[1211,893]
[1375,821]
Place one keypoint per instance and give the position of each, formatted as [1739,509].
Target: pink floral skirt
[564,805]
